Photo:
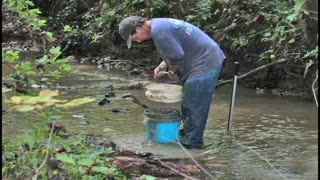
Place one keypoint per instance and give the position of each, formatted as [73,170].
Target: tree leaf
[41,22]
[107,130]
[101,169]
[24,108]
[4,89]
[292,17]
[66,105]
[10,55]
[16,99]
[32,100]
[49,93]
[66,147]
[66,67]
[310,63]
[81,101]
[66,158]
[67,28]
[86,162]
[48,104]
[30,140]
[35,11]
[148,177]
[55,50]
[49,99]
[49,34]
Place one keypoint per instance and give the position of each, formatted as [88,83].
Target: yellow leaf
[272,56]
[32,100]
[16,99]
[42,99]
[48,104]
[39,107]
[81,100]
[291,41]
[24,108]
[49,93]
[66,105]
[49,99]
[70,104]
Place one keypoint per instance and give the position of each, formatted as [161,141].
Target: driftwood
[134,165]
[252,71]
[145,163]
[158,168]
[131,85]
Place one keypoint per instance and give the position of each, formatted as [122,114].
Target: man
[189,55]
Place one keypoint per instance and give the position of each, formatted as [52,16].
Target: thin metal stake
[233,95]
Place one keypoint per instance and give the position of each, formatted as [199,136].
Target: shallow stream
[273,137]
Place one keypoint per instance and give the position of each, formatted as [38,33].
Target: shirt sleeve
[171,50]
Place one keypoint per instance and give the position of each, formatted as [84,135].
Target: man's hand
[172,75]
[160,70]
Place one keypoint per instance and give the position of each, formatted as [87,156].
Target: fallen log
[152,167]
[130,85]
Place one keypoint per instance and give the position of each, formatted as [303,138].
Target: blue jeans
[195,106]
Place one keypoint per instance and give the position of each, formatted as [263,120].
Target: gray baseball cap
[127,26]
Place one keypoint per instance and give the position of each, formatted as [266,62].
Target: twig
[65,48]
[181,7]
[135,100]
[172,169]
[35,177]
[253,71]
[315,89]
[315,12]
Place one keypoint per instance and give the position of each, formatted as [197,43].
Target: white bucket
[166,93]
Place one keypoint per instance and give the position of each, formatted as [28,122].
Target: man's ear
[138,28]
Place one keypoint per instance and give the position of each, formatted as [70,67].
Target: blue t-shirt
[181,43]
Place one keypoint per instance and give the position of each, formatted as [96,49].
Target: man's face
[141,34]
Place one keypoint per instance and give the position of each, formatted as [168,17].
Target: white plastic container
[166,93]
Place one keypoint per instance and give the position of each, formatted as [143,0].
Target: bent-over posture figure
[189,55]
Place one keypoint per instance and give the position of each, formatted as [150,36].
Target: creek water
[272,137]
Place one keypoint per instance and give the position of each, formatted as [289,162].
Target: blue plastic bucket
[162,124]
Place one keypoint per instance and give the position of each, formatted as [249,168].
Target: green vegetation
[30,16]
[23,69]
[52,55]
[41,153]
[24,157]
